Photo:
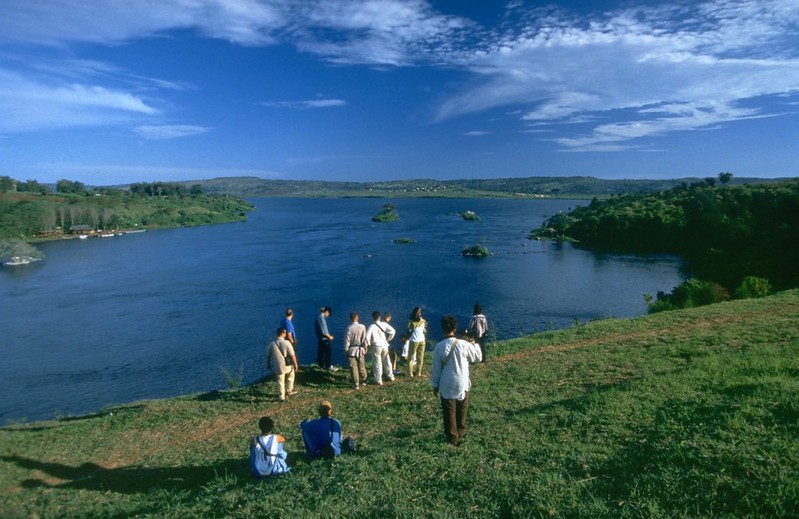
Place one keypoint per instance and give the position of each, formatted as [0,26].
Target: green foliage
[470,216]
[404,240]
[681,414]
[23,214]
[689,294]
[475,251]
[753,286]
[233,379]
[725,233]
[387,214]
[70,186]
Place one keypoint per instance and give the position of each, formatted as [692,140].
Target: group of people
[449,378]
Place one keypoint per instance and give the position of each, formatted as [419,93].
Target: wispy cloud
[169,131]
[308,103]
[27,104]
[639,72]
[476,133]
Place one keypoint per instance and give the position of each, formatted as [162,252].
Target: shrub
[689,294]
[753,286]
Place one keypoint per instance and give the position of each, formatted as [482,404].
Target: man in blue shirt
[322,437]
[323,336]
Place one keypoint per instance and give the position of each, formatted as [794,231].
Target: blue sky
[118,91]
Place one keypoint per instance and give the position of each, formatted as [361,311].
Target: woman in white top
[417,329]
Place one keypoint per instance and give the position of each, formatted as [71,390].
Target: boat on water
[18,260]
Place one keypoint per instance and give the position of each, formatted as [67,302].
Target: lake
[106,321]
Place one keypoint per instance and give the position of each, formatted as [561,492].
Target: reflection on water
[163,312]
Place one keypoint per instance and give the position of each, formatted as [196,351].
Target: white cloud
[169,131]
[698,64]
[28,105]
[476,133]
[308,103]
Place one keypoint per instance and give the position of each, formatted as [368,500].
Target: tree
[70,186]
[725,177]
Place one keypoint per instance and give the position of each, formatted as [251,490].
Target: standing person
[355,350]
[377,337]
[323,338]
[478,328]
[394,352]
[322,437]
[267,454]
[417,329]
[281,359]
[288,323]
[450,378]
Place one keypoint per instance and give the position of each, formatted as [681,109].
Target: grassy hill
[691,413]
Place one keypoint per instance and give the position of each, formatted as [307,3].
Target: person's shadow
[130,480]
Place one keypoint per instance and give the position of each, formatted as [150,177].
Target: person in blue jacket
[322,436]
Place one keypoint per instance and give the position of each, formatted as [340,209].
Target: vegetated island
[470,216]
[476,251]
[387,214]
[30,211]
[729,235]
[657,415]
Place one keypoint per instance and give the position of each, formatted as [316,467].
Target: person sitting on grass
[267,455]
[322,437]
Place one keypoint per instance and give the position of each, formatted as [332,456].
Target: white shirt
[451,360]
[379,333]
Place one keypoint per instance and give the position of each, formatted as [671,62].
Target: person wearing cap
[280,358]
[450,378]
[323,338]
[322,436]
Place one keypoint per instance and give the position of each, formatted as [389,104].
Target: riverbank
[687,413]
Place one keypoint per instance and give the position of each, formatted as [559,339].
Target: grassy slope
[687,413]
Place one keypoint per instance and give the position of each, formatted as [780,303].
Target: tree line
[29,208]
[726,233]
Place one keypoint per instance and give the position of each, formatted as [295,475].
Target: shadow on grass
[141,480]
[128,480]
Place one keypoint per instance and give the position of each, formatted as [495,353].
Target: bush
[691,293]
[753,286]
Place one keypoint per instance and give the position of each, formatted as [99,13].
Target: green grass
[691,413]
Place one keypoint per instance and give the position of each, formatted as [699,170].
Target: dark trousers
[454,413]
[323,353]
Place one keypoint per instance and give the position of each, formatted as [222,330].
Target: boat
[18,260]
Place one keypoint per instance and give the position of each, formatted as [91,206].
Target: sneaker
[356,386]
[333,368]
[292,393]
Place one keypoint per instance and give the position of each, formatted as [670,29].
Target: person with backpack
[478,329]
[322,436]
[280,358]
[267,453]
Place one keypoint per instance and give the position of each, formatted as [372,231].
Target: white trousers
[381,363]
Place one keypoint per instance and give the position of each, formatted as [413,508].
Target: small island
[475,251]
[387,214]
[470,216]
[404,240]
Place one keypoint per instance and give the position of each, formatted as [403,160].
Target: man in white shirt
[450,378]
[377,337]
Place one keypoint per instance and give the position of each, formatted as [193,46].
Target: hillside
[580,187]
[691,413]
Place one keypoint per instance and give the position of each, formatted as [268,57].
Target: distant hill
[544,187]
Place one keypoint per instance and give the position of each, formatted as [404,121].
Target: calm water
[161,313]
